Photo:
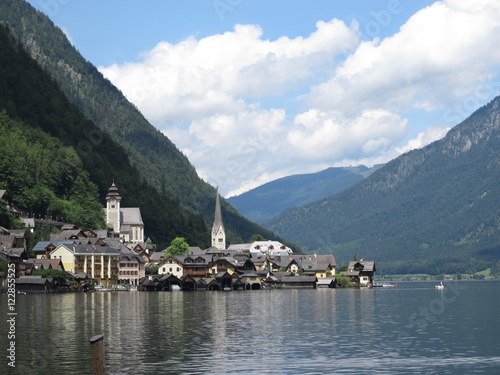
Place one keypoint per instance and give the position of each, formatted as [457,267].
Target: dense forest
[54,158]
[54,183]
[157,163]
[432,210]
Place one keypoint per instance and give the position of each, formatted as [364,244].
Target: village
[121,259]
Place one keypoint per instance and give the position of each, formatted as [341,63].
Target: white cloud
[196,78]
[437,57]
[336,101]
[329,135]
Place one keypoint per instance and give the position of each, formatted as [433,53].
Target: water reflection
[262,332]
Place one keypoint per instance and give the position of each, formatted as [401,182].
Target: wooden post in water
[97,349]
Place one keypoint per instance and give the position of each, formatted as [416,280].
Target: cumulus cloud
[195,78]
[245,109]
[435,58]
[329,135]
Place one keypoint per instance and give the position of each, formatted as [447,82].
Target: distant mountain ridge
[434,210]
[268,200]
[156,159]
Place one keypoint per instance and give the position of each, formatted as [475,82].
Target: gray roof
[240,247]
[367,265]
[158,255]
[131,216]
[32,280]
[41,245]
[325,280]
[298,279]
[132,256]
[91,249]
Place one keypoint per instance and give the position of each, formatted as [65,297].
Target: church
[218,232]
[126,222]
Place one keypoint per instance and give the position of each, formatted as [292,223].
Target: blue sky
[253,90]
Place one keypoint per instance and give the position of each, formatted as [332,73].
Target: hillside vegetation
[157,163]
[432,210]
[51,167]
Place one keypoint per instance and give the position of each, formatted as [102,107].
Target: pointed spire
[218,232]
[218,213]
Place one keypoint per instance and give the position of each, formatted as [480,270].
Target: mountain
[158,163]
[268,200]
[47,167]
[432,210]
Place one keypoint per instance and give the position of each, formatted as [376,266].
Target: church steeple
[218,232]
[113,208]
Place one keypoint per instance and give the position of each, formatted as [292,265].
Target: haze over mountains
[262,203]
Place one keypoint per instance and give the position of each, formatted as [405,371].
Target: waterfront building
[132,268]
[100,263]
[361,272]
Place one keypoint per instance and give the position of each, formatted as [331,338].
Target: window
[112,206]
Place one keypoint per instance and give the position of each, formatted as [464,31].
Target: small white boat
[439,286]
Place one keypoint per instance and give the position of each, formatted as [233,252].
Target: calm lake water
[410,329]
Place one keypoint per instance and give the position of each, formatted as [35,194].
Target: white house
[271,248]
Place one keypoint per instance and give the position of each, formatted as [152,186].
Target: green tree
[178,246]
[257,237]
[343,281]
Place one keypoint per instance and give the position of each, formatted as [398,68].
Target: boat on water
[101,288]
[385,285]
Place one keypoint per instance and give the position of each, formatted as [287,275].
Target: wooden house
[361,272]
[299,282]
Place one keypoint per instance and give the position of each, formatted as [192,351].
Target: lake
[409,329]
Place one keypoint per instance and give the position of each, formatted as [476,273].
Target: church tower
[113,208]
[218,232]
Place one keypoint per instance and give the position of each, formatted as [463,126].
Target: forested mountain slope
[436,209]
[158,163]
[268,200]
[51,152]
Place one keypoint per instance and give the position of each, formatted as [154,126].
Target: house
[326,282]
[225,280]
[101,263]
[43,249]
[70,234]
[168,282]
[171,265]
[131,268]
[298,282]
[222,265]
[35,284]
[271,248]
[126,222]
[44,264]
[251,281]
[361,272]
[195,265]
[157,257]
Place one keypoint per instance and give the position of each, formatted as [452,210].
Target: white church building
[126,222]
